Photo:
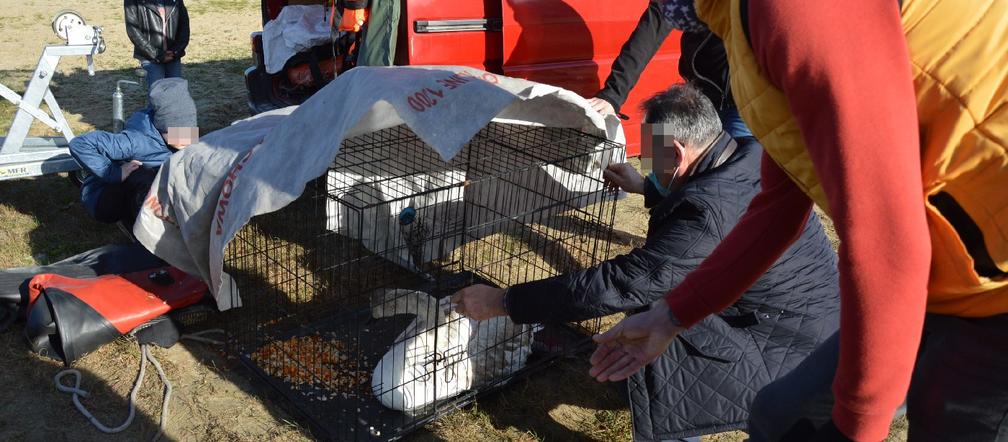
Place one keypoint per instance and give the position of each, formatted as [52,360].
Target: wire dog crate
[346,290]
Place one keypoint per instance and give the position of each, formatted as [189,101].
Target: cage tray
[350,411]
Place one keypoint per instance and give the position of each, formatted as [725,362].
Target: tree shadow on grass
[561,403]
[558,403]
[216,86]
[62,227]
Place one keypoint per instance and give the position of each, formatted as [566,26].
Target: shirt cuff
[113,174]
[606,95]
[685,305]
[862,426]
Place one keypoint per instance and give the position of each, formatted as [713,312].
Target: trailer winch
[24,156]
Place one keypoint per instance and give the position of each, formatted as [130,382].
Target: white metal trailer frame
[23,156]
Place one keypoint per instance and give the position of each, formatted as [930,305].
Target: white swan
[442,353]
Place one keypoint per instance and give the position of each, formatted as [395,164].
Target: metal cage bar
[392,228]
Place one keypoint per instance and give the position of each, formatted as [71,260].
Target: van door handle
[459,25]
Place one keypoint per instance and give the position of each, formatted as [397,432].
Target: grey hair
[686,114]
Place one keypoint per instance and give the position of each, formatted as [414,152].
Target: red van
[566,43]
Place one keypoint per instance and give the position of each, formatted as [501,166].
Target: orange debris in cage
[324,367]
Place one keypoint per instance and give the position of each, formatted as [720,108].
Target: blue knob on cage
[407,216]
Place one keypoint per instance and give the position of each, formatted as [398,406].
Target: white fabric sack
[206,192]
[297,29]
[441,353]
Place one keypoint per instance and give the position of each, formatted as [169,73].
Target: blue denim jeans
[157,71]
[732,123]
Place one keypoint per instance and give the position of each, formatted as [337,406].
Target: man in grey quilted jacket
[700,182]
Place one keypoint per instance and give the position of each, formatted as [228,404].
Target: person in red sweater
[845,72]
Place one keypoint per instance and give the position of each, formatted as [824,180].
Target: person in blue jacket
[121,166]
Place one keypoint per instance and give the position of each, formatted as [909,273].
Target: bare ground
[41,222]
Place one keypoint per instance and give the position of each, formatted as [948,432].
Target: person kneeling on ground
[122,166]
[702,182]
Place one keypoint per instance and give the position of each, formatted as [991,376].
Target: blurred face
[659,152]
[180,137]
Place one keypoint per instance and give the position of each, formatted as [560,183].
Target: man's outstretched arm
[845,70]
[774,220]
[634,56]
[625,283]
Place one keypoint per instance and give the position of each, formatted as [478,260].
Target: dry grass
[41,221]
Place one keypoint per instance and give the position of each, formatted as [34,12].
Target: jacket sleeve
[182,31]
[644,42]
[704,63]
[626,282]
[134,29]
[355,4]
[99,152]
[846,72]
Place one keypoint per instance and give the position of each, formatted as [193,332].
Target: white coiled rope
[145,356]
[77,393]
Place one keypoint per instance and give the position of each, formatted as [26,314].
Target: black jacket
[143,26]
[706,380]
[702,61]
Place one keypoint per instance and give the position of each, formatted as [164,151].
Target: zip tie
[77,393]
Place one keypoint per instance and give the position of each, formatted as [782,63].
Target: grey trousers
[959,388]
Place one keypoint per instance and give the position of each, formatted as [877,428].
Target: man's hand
[479,302]
[168,56]
[633,343]
[129,167]
[601,106]
[625,177]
